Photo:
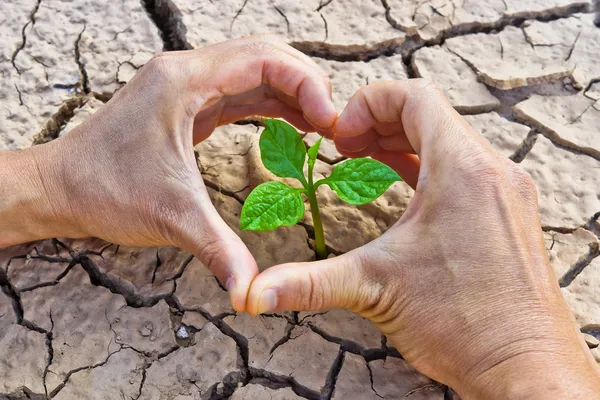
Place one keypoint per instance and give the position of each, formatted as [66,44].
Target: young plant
[273,204]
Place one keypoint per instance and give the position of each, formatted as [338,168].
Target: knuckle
[161,64]
[424,88]
[423,84]
[259,47]
[172,213]
[209,252]
[479,166]
[163,70]
[267,38]
[311,294]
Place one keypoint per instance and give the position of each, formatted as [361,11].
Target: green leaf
[361,180]
[313,152]
[270,205]
[282,150]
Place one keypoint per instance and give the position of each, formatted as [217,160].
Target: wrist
[543,374]
[29,196]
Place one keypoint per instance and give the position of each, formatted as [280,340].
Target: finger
[397,143]
[361,152]
[256,62]
[213,243]
[406,165]
[271,108]
[428,120]
[338,282]
[356,143]
[390,129]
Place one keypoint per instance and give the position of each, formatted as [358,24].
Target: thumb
[217,246]
[338,282]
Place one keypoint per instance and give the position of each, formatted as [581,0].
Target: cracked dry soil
[87,319]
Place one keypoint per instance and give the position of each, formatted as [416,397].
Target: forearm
[27,208]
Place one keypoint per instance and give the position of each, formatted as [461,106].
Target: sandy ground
[88,319]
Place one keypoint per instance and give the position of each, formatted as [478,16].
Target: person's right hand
[461,284]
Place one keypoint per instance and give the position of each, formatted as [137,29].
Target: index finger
[422,113]
[241,65]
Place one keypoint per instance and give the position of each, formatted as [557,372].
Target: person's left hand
[129,175]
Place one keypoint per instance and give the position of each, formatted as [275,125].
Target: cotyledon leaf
[282,150]
[271,205]
[360,180]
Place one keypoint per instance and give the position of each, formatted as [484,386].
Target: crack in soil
[120,286]
[169,20]
[143,381]
[237,14]
[356,348]
[520,154]
[61,118]
[515,20]
[371,381]
[287,22]
[323,4]
[332,375]
[156,266]
[78,369]
[222,190]
[21,45]
[326,26]
[580,264]
[85,84]
[50,348]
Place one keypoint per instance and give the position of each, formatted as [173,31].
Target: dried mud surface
[86,319]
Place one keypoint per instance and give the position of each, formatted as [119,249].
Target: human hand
[461,284]
[129,175]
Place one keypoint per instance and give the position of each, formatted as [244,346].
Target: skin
[461,285]
[129,175]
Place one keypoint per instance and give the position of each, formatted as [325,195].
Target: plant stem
[320,247]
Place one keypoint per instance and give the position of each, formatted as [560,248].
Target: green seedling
[274,204]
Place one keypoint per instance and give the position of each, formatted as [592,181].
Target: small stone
[190,371]
[182,333]
[145,332]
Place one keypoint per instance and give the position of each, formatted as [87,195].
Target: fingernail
[319,127]
[267,301]
[230,284]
